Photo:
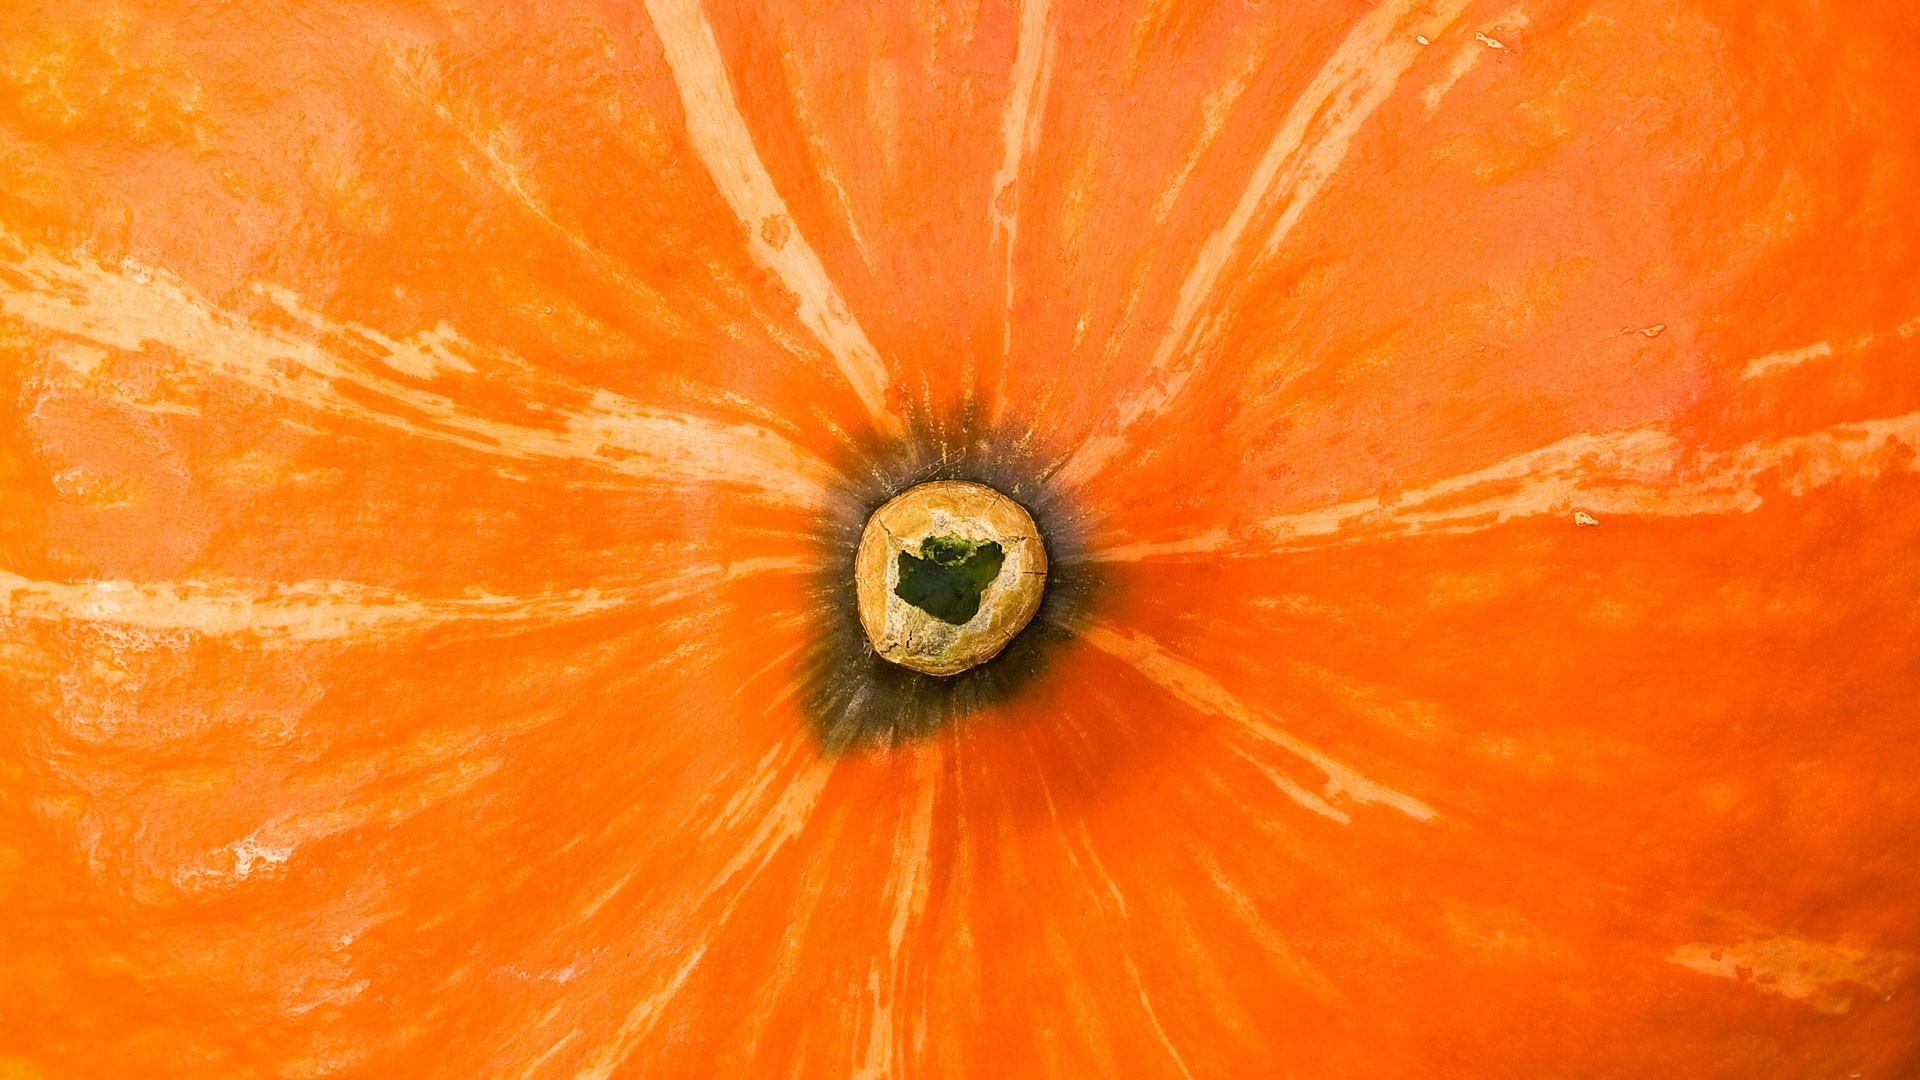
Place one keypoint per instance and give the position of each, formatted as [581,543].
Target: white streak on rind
[1032,67]
[1097,880]
[1814,973]
[720,136]
[300,611]
[126,308]
[313,611]
[1244,911]
[1786,358]
[1199,544]
[495,146]
[1641,471]
[1153,1017]
[275,842]
[1466,59]
[1215,108]
[907,887]
[771,815]
[1312,143]
[1200,691]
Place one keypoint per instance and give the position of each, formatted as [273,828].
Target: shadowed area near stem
[946,579]
[856,699]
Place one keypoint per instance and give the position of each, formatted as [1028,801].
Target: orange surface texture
[1477,442]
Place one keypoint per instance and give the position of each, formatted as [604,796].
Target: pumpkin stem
[947,573]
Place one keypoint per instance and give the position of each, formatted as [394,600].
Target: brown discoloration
[912,638]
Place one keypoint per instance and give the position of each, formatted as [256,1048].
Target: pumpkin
[1473,443]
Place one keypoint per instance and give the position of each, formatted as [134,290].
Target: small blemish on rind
[776,231]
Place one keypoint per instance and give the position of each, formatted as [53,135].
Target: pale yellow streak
[1020,128]
[300,611]
[1085,843]
[823,868]
[907,887]
[272,844]
[720,136]
[1641,471]
[1099,870]
[419,77]
[1468,57]
[1312,143]
[1214,110]
[1153,1016]
[1202,693]
[310,611]
[1245,912]
[1098,874]
[1784,359]
[437,765]
[1787,359]
[77,299]
[536,1066]
[776,814]
[1112,889]
[1825,976]
[810,122]
[1635,471]
[1199,544]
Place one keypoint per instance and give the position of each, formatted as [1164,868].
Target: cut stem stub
[947,573]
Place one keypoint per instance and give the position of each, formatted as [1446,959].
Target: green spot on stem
[946,579]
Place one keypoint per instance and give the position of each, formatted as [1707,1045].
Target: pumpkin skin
[1492,428]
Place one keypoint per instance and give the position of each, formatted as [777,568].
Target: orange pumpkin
[1474,444]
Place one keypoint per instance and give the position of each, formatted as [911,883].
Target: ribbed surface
[1476,443]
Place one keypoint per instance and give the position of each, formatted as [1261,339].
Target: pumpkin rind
[1493,429]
